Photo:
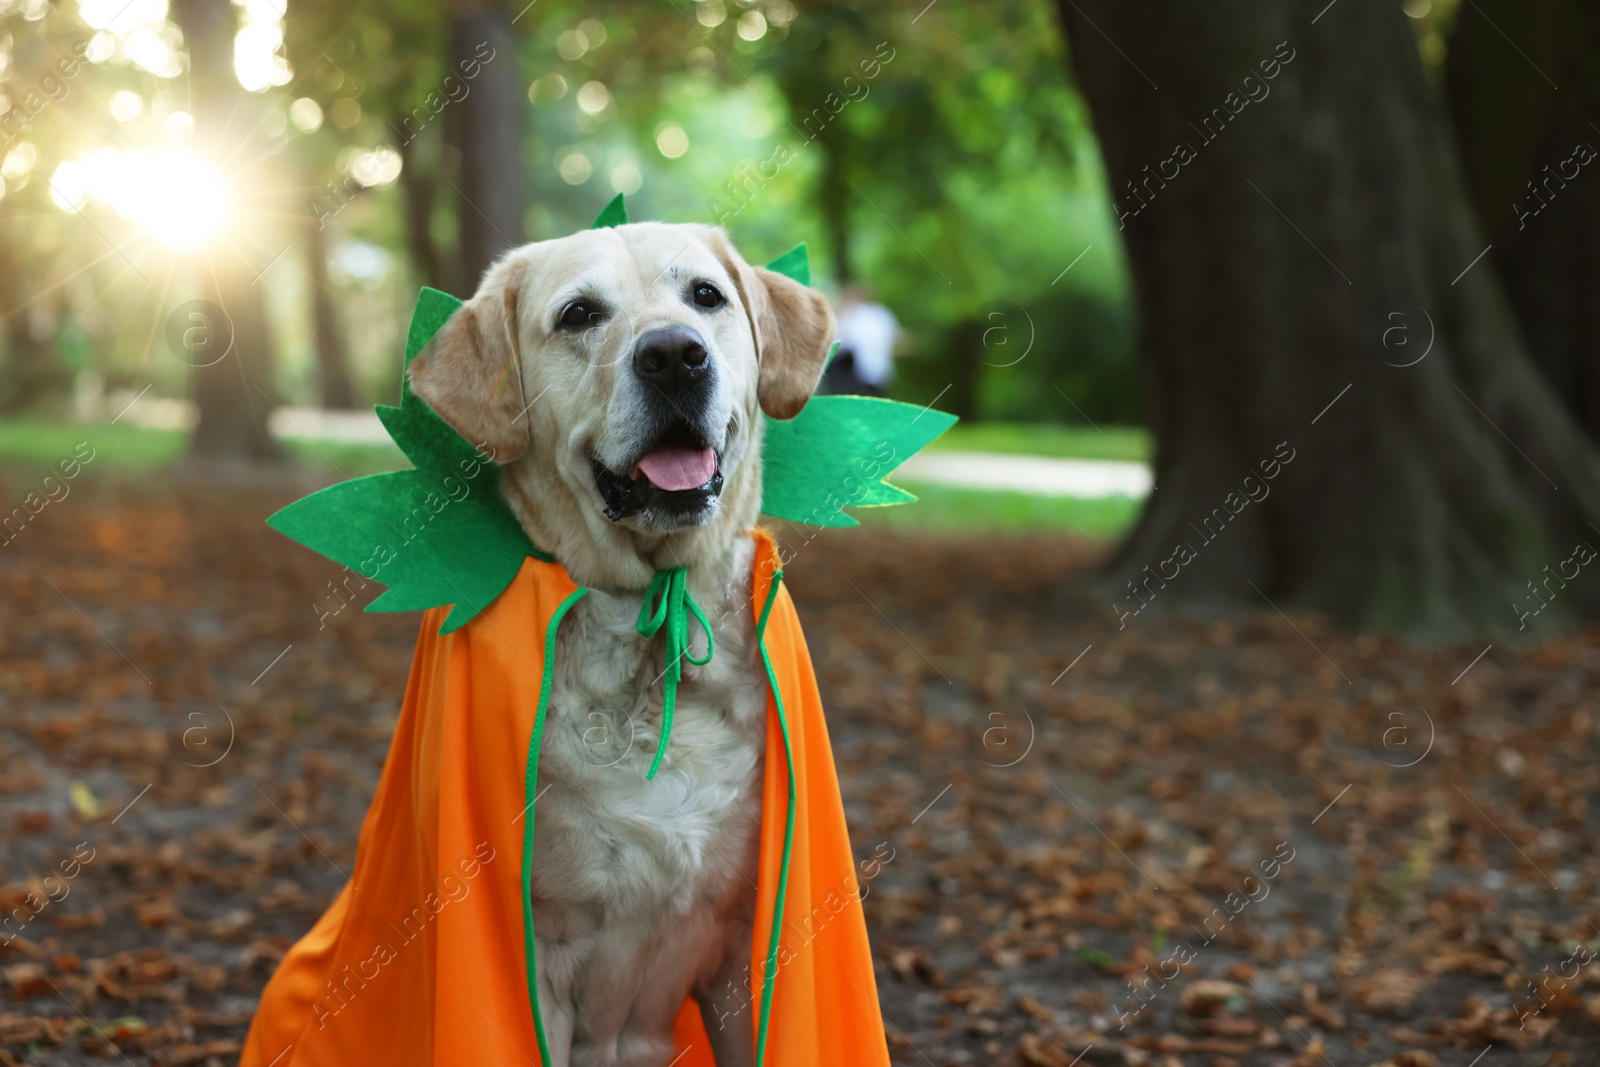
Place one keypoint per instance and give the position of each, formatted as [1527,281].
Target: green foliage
[1080,367]
[1120,443]
[944,161]
[948,165]
[945,509]
[36,444]
[30,445]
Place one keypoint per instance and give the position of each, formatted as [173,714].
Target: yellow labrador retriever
[620,376]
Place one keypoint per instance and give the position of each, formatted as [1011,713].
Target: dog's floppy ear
[793,327]
[470,372]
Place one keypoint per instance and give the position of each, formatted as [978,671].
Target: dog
[619,378]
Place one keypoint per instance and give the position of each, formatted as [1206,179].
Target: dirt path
[1364,851]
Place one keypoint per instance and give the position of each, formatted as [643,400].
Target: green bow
[664,605]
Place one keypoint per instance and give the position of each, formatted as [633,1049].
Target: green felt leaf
[614,214]
[432,536]
[433,310]
[426,439]
[795,263]
[437,534]
[836,453]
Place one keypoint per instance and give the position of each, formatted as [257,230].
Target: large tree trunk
[416,193]
[1517,130]
[234,394]
[336,388]
[486,127]
[1276,273]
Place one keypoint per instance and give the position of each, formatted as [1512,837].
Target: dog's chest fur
[644,890]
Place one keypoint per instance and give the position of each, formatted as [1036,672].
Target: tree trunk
[234,394]
[336,389]
[1539,206]
[966,369]
[833,204]
[486,127]
[807,73]
[416,192]
[1282,249]
[32,367]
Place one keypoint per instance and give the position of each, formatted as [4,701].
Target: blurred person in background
[864,364]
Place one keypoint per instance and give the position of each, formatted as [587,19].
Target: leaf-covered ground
[1250,842]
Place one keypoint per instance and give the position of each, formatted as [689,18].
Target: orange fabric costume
[422,960]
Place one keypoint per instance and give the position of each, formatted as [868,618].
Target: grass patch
[31,443]
[1048,439]
[942,508]
[347,460]
[38,444]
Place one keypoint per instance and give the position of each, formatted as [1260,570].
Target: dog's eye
[706,296]
[581,314]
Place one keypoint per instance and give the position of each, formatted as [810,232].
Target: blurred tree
[32,368]
[336,389]
[486,129]
[1290,193]
[442,86]
[418,186]
[823,48]
[235,394]
[948,194]
[934,161]
[1538,203]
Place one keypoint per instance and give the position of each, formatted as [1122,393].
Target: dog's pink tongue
[675,468]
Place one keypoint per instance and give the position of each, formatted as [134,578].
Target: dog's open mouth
[675,478]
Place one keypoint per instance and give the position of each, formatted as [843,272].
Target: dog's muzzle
[676,476]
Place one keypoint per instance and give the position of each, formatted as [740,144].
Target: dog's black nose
[671,358]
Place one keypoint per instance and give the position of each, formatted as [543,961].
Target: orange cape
[423,957]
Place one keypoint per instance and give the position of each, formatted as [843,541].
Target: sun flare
[172,194]
[178,198]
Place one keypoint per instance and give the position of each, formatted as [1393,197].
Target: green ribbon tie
[667,604]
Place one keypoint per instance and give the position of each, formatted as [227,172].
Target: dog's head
[619,376]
